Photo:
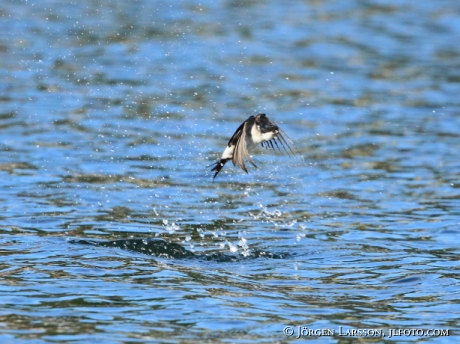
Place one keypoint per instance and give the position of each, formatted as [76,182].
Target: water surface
[111,228]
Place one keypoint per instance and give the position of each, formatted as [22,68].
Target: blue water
[112,230]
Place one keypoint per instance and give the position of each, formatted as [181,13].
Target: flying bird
[254,130]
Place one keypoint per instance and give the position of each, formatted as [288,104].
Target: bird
[254,130]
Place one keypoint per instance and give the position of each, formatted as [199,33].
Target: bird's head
[265,125]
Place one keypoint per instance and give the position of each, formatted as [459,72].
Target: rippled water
[112,229]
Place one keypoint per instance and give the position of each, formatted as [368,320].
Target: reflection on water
[112,229]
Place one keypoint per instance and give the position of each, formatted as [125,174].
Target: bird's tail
[218,166]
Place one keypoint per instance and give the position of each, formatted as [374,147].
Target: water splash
[171,228]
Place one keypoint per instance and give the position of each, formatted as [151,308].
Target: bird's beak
[269,128]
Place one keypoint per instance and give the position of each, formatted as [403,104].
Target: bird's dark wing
[285,143]
[284,140]
[236,136]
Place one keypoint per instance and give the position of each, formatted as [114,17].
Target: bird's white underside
[258,137]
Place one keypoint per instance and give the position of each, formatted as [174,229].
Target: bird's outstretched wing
[285,141]
[236,135]
[241,152]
